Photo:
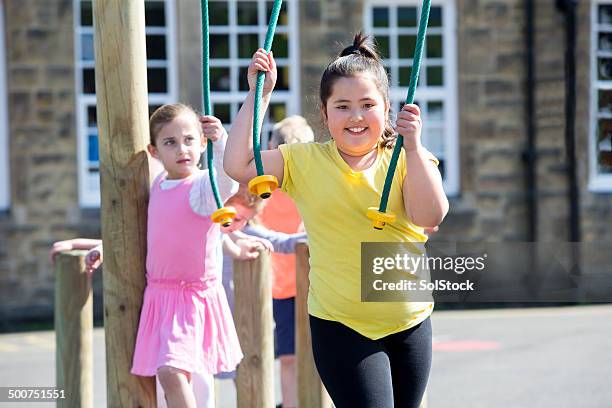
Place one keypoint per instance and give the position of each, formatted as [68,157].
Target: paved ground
[557,357]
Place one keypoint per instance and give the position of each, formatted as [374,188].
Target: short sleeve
[287,151]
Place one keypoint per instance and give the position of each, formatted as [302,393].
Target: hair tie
[353,50]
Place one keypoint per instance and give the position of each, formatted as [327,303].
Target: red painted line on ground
[466,345]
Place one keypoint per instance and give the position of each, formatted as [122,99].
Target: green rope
[259,88]
[414,77]
[206,106]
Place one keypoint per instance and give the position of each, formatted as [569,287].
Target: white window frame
[4,128]
[291,97]
[89,183]
[598,183]
[446,93]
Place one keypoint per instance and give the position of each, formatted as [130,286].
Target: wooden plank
[122,109]
[73,330]
[253,313]
[311,393]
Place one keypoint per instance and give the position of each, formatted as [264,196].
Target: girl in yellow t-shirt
[368,354]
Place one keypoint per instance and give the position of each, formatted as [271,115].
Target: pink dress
[185,320]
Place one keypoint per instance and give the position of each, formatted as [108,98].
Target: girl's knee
[171,377]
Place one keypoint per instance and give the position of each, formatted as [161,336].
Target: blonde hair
[292,129]
[244,198]
[166,114]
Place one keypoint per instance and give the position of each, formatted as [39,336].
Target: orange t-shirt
[280,214]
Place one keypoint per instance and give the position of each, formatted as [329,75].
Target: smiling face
[356,114]
[178,145]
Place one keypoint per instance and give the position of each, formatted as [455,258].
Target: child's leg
[284,333]
[288,380]
[410,354]
[354,369]
[177,387]
[203,389]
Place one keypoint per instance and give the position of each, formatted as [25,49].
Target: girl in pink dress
[185,326]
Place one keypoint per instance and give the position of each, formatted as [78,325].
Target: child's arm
[93,259]
[242,249]
[239,235]
[214,130]
[424,198]
[238,160]
[282,243]
[68,245]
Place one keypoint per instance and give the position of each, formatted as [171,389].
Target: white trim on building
[600,177]
[231,61]
[436,94]
[88,166]
[4,127]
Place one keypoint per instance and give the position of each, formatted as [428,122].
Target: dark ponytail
[361,56]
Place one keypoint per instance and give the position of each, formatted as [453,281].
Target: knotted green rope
[259,88]
[206,106]
[414,77]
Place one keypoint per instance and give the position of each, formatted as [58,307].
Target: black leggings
[360,372]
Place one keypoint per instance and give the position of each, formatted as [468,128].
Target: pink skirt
[185,325]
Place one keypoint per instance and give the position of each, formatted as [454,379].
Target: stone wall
[44,201]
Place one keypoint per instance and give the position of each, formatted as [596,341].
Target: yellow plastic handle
[263,186]
[224,216]
[380,219]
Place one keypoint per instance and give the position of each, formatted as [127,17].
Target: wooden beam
[253,313]
[311,393]
[73,330]
[122,111]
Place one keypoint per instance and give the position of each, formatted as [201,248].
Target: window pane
[247,13]
[605,41]
[86,14]
[278,112]
[283,20]
[220,79]
[404,76]
[217,13]
[434,46]
[605,14]
[156,47]
[247,45]
[433,139]
[406,44]
[435,111]
[604,146]
[282,81]
[604,68]
[157,80]
[153,108]
[92,148]
[87,47]
[243,84]
[435,17]
[219,46]
[280,46]
[92,119]
[223,112]
[406,17]
[89,81]
[605,101]
[435,76]
[155,14]
[380,17]
[383,45]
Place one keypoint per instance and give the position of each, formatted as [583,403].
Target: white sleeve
[227,186]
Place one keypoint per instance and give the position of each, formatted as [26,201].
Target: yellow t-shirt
[332,200]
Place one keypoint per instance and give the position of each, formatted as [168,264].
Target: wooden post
[253,314]
[311,393]
[122,109]
[73,330]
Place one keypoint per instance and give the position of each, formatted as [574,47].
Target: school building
[494,92]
